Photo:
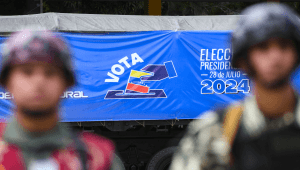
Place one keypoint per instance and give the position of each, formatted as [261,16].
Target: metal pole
[41,6]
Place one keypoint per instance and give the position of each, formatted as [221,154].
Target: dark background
[128,7]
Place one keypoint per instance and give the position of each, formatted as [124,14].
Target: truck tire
[118,163]
[162,159]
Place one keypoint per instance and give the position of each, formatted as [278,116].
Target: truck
[141,79]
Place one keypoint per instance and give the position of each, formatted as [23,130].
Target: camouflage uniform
[260,143]
[204,147]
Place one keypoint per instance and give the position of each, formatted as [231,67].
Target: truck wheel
[162,159]
[118,164]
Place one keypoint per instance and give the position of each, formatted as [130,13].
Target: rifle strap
[231,124]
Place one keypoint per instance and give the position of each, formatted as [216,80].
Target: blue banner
[152,75]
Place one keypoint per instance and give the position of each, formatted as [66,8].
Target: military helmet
[261,22]
[25,46]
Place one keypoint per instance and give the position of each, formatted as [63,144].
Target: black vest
[272,150]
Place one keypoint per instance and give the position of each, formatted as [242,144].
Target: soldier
[36,68]
[263,130]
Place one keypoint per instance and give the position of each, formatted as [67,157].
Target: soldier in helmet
[36,68]
[263,130]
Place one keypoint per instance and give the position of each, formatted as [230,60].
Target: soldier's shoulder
[100,142]
[100,149]
[203,121]
[213,116]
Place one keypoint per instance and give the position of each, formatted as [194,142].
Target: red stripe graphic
[137,88]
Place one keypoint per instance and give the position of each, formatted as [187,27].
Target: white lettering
[115,78]
[82,95]
[212,54]
[8,95]
[118,69]
[207,55]
[124,61]
[202,59]
[202,64]
[75,94]
[113,69]
[227,49]
[79,94]
[64,95]
[218,54]
[136,58]
[225,65]
[206,65]
[69,93]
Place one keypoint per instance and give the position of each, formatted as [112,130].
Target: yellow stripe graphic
[138,74]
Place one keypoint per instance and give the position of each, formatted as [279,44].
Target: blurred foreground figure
[37,69]
[263,130]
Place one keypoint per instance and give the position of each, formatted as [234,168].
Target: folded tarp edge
[35,22]
[115,23]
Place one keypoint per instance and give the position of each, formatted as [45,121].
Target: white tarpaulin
[115,23]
